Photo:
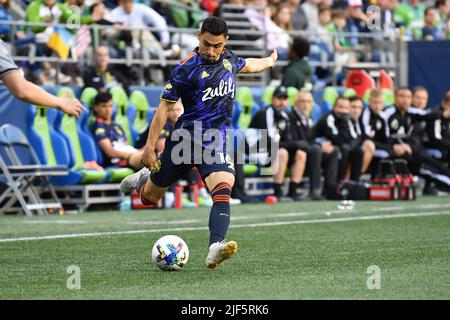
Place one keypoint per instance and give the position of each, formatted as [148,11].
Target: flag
[61,41]
[82,42]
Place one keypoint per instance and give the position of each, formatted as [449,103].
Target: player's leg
[151,186]
[220,184]
[219,179]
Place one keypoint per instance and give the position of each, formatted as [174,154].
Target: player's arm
[158,122]
[254,65]
[31,93]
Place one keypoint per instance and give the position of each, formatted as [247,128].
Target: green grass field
[303,250]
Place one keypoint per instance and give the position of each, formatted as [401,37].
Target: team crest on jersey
[378,125]
[205,74]
[168,86]
[395,124]
[227,65]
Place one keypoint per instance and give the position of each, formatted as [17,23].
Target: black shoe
[285,199]
[430,190]
[297,196]
[315,196]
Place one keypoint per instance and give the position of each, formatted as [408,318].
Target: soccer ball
[170,253]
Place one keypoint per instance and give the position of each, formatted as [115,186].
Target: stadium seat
[385,81]
[388,97]
[266,97]
[292,95]
[245,97]
[25,175]
[360,81]
[349,92]
[125,113]
[143,114]
[329,96]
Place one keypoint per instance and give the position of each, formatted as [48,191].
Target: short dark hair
[103,96]
[340,98]
[401,89]
[215,25]
[428,9]
[419,88]
[447,97]
[355,98]
[439,3]
[91,9]
[300,46]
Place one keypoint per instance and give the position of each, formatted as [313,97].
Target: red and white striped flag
[83,40]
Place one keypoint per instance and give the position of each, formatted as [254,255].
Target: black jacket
[438,132]
[374,127]
[339,130]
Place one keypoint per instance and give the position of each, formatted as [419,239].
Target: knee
[300,155]
[368,146]
[283,155]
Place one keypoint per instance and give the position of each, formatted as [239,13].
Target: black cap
[280,92]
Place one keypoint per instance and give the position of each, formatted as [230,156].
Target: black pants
[317,160]
[352,155]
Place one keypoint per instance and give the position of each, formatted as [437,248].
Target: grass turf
[295,260]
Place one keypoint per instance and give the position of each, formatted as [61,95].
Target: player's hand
[274,57]
[148,158]
[71,106]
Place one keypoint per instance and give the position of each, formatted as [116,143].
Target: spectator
[430,31]
[274,117]
[6,16]
[111,137]
[311,9]
[137,15]
[299,19]
[410,15]
[345,48]
[367,146]
[318,155]
[322,29]
[274,6]
[357,19]
[443,10]
[183,18]
[282,17]
[339,128]
[102,75]
[297,72]
[277,38]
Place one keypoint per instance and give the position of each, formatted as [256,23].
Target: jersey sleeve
[6,62]
[240,63]
[174,87]
[99,132]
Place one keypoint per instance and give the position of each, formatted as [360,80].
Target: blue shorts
[169,172]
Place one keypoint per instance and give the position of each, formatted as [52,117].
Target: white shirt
[142,16]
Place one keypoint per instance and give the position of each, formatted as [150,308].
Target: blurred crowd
[334,29]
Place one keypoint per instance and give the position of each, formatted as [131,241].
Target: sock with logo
[219,217]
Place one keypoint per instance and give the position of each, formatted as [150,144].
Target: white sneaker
[130,182]
[219,252]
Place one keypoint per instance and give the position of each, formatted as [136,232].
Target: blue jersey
[206,89]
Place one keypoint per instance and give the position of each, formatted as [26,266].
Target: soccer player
[29,92]
[205,82]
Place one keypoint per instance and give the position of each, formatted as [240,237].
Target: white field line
[253,225]
[54,222]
